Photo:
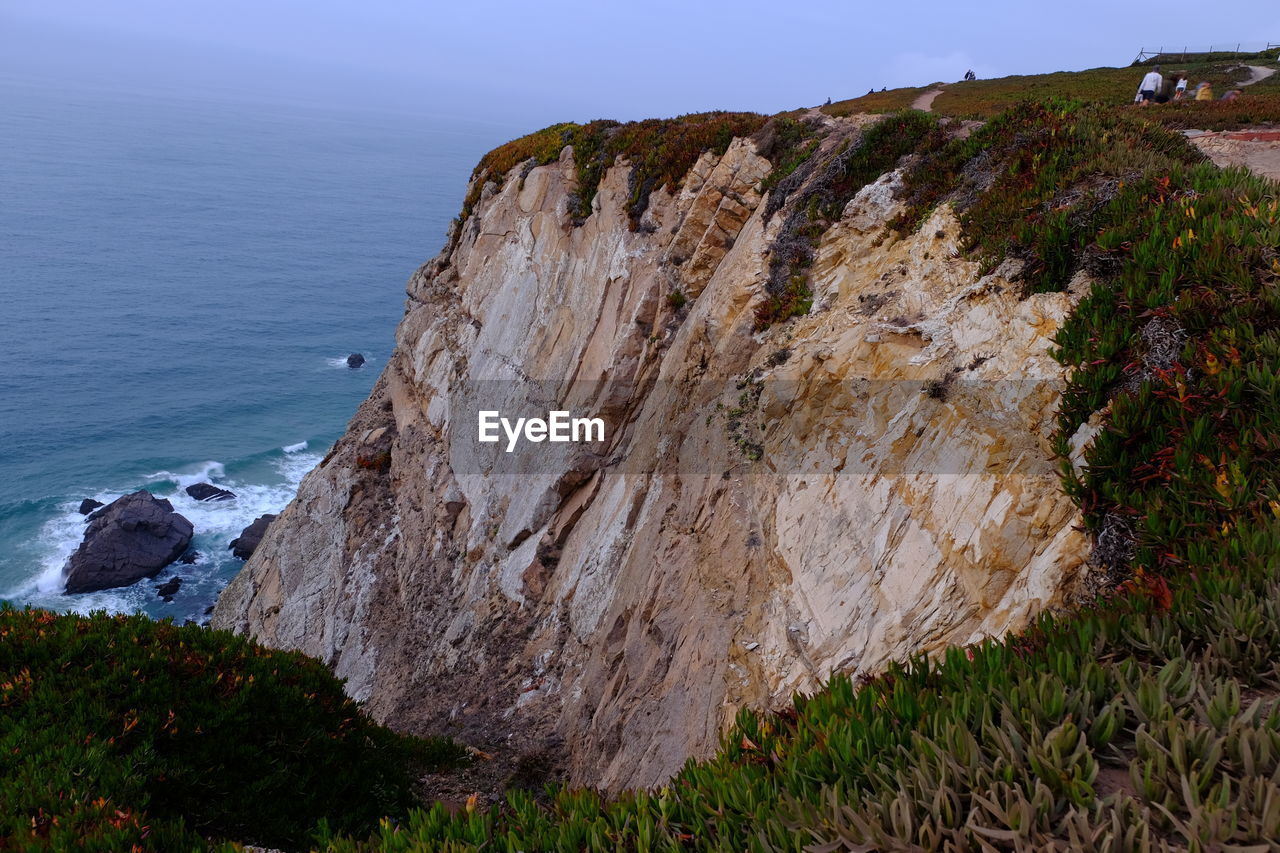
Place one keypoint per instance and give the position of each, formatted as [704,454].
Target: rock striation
[868,481]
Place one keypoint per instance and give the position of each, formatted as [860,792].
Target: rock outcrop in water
[209,492]
[131,538]
[867,481]
[247,542]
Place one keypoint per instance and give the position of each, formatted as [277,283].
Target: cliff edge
[779,498]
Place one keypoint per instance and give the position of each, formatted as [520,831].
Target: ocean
[180,283]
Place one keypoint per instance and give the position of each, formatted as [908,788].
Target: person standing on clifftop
[1151,84]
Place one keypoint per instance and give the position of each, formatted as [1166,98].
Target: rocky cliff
[771,504]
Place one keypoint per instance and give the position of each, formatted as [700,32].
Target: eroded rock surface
[865,482]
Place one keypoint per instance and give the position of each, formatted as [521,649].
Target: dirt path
[1256,150]
[925,101]
[1256,74]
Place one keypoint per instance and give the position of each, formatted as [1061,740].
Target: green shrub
[890,101]
[121,731]
[1178,335]
[817,187]
[661,152]
[1254,108]
[1108,86]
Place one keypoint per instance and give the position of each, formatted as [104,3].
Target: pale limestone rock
[629,599]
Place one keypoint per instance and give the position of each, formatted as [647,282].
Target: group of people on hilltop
[1156,88]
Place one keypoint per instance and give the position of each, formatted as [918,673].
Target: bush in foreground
[121,733]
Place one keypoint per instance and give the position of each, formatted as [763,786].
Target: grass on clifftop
[877,102]
[1113,86]
[816,187]
[661,151]
[981,99]
[1178,342]
[121,733]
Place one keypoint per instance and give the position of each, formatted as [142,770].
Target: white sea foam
[204,472]
[216,524]
[294,448]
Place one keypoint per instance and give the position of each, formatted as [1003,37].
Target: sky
[534,63]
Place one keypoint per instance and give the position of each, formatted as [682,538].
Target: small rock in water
[88,505]
[169,588]
[133,538]
[355,360]
[246,543]
[188,558]
[209,492]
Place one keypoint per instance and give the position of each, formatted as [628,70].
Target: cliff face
[867,481]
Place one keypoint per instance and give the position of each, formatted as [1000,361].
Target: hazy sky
[532,63]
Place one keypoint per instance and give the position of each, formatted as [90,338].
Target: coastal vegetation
[122,733]
[981,99]
[818,184]
[1177,340]
[661,152]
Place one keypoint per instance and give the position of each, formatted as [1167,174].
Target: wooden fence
[1174,54]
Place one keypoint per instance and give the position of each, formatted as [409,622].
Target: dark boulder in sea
[246,543]
[88,505]
[131,538]
[189,558]
[169,588]
[209,492]
[355,360]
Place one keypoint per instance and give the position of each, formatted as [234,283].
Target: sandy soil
[925,101]
[1257,73]
[1257,150]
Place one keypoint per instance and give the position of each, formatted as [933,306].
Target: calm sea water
[180,281]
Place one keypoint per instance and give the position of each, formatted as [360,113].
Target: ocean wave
[205,472]
[264,488]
